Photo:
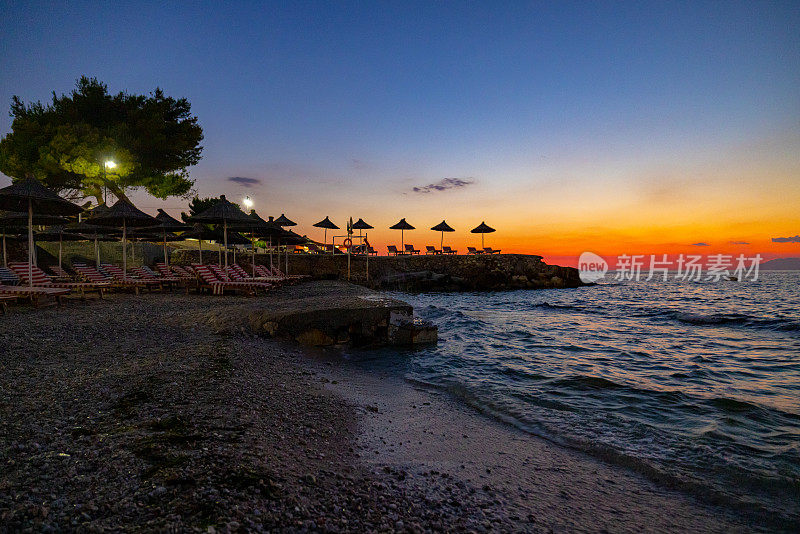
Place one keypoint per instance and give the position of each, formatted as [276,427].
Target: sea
[695,385]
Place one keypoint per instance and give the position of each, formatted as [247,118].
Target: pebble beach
[131,414]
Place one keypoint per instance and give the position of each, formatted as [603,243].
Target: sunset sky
[633,127]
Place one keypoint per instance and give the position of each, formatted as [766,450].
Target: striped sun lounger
[35,294]
[184,272]
[236,272]
[60,273]
[209,279]
[164,270]
[137,283]
[223,276]
[90,273]
[40,279]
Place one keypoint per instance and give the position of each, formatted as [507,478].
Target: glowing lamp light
[110,164]
[248,202]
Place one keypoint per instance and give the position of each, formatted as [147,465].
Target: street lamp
[248,202]
[107,164]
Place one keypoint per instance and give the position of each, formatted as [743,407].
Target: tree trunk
[117,192]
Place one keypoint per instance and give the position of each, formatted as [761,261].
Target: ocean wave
[724,319]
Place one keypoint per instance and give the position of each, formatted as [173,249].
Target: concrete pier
[325,313]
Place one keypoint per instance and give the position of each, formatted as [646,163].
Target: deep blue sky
[362,101]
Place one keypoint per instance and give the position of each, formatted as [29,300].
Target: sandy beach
[131,414]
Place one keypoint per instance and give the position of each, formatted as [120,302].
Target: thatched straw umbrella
[31,196]
[402,225]
[199,232]
[327,225]
[284,222]
[92,232]
[57,233]
[223,212]
[17,220]
[124,214]
[360,225]
[442,227]
[258,227]
[482,229]
[167,224]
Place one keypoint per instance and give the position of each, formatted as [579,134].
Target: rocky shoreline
[128,414]
[495,272]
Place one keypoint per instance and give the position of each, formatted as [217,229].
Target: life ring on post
[347,243]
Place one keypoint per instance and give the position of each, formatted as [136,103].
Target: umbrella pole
[402,240]
[287,261]
[96,252]
[253,244]
[441,243]
[30,242]
[200,249]
[270,254]
[124,250]
[59,250]
[165,248]
[5,257]
[219,254]
[225,231]
[482,240]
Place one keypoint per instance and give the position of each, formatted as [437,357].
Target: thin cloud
[443,185]
[795,239]
[739,243]
[244,181]
[700,244]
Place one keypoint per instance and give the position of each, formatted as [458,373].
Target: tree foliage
[152,139]
[199,205]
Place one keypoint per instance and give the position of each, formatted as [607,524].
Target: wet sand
[542,486]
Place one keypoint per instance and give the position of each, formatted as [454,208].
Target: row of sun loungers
[409,250]
[15,281]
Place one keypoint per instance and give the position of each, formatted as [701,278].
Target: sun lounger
[35,294]
[277,271]
[473,250]
[277,274]
[145,273]
[40,279]
[237,272]
[91,274]
[8,277]
[393,251]
[431,250]
[60,273]
[489,250]
[448,250]
[225,277]
[186,273]
[411,250]
[129,281]
[208,279]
